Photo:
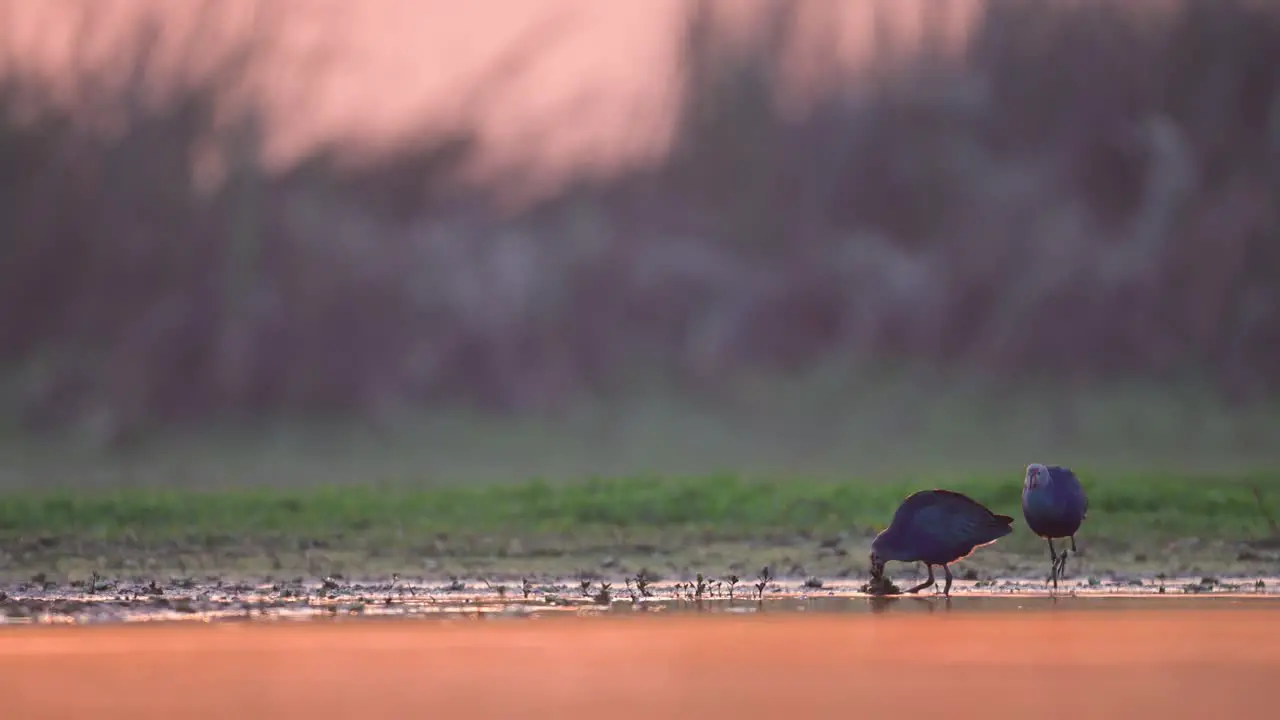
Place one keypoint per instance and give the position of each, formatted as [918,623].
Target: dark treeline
[1087,192]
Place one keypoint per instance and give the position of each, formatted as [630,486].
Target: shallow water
[982,665]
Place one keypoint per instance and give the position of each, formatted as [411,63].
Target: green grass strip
[1124,507]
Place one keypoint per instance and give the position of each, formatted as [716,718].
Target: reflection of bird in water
[1054,505]
[881,603]
[936,527]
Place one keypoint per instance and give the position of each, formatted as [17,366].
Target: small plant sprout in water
[642,582]
[733,582]
[603,597]
[526,587]
[763,583]
[501,590]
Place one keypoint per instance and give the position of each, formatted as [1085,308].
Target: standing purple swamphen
[936,527]
[1054,505]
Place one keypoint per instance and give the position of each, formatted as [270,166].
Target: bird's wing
[1066,475]
[952,500]
[1062,474]
[951,517]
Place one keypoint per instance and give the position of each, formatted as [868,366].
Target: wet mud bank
[101,600]
[839,561]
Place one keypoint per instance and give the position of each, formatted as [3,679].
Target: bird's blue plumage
[1054,505]
[1053,502]
[939,527]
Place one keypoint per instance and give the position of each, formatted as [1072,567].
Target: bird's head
[878,557]
[882,551]
[877,566]
[1037,476]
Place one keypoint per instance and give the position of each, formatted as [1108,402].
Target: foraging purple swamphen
[936,527]
[1054,505]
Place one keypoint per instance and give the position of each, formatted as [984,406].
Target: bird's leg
[1062,561]
[1073,545]
[1053,564]
[946,589]
[924,584]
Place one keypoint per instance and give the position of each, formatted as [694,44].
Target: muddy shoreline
[104,600]
[66,560]
[120,582]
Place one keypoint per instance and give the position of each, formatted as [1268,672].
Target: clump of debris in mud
[880,586]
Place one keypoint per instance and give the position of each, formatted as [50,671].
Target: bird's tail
[1003,526]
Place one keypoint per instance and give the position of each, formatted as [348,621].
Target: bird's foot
[1058,567]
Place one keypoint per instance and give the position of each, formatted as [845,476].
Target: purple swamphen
[1054,505]
[936,527]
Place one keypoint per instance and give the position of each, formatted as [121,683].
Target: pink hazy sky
[595,89]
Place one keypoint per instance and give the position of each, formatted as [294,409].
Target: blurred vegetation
[1087,195]
[892,429]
